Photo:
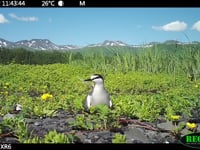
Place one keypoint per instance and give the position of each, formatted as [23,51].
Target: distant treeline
[23,56]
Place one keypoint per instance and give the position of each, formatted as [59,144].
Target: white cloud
[172,26]
[196,26]
[22,18]
[3,19]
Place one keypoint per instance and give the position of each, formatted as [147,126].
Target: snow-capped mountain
[36,44]
[114,43]
[109,43]
[45,44]
[5,43]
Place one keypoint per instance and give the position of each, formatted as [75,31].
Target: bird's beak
[88,80]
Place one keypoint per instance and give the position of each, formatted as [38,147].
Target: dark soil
[134,130]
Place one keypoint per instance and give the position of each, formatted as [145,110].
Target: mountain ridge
[45,44]
[35,44]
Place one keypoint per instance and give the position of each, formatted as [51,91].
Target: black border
[105,3]
[111,3]
[93,146]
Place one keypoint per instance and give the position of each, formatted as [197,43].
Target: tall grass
[171,59]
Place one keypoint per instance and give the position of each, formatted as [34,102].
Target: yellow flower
[46,96]
[191,125]
[22,97]
[175,117]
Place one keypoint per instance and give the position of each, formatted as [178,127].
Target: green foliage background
[144,83]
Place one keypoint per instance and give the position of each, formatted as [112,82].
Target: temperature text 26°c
[48,3]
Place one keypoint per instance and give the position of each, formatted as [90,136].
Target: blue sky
[83,26]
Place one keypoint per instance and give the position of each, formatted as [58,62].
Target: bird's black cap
[96,76]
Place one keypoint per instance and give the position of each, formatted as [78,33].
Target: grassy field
[143,84]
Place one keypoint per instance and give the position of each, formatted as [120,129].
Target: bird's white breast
[100,96]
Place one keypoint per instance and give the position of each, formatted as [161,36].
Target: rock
[29,121]
[87,141]
[184,131]
[12,140]
[1,119]
[153,136]
[49,121]
[167,138]
[9,116]
[62,114]
[37,123]
[166,125]
[63,129]
[135,135]
[81,137]
[105,137]
[104,134]
[196,114]
[68,120]
[198,128]
[101,140]
[61,123]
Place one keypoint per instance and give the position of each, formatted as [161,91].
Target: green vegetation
[54,137]
[18,128]
[101,117]
[144,83]
[161,58]
[119,138]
